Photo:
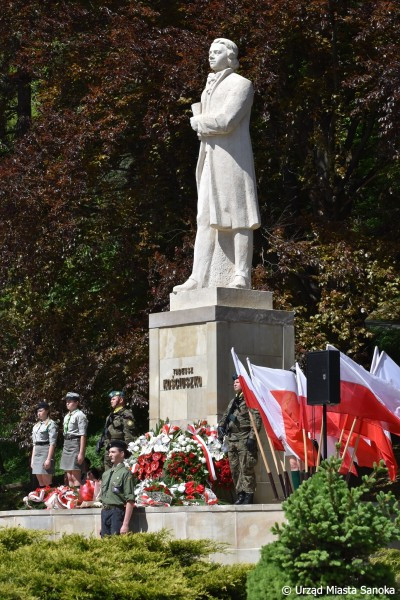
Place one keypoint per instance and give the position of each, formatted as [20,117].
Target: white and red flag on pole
[278,388]
[374,360]
[252,399]
[367,397]
[302,395]
[374,445]
[313,419]
[385,368]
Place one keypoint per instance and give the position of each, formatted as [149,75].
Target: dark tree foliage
[97,189]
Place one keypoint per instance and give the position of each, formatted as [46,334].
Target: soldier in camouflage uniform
[235,424]
[119,425]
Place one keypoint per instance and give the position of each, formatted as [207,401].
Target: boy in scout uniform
[235,424]
[117,492]
[119,425]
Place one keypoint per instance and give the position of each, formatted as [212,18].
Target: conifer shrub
[391,558]
[329,538]
[144,566]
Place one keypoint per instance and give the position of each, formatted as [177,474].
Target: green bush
[135,566]
[391,558]
[328,539]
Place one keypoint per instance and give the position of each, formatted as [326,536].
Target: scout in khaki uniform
[44,438]
[75,427]
[242,444]
[119,425]
[117,492]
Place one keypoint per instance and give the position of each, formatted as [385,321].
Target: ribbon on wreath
[62,497]
[145,500]
[39,494]
[206,452]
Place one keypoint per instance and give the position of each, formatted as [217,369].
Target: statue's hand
[194,124]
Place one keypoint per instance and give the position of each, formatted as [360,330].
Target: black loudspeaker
[323,377]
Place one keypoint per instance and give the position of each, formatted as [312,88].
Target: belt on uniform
[41,443]
[71,437]
[111,506]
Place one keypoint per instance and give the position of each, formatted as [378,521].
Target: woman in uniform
[75,427]
[44,438]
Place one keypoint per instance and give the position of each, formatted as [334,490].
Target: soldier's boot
[248,499]
[240,498]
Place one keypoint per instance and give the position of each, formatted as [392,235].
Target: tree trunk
[24,103]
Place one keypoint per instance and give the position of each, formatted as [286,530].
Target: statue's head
[223,54]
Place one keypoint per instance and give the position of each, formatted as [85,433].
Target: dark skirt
[70,454]
[40,456]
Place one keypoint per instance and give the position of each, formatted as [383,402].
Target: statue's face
[218,57]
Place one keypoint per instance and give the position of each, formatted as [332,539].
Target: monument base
[244,528]
[190,354]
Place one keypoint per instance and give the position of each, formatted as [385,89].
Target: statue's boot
[240,282]
[243,247]
[190,284]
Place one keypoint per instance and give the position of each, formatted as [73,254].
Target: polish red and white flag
[277,388]
[313,421]
[367,397]
[385,368]
[253,401]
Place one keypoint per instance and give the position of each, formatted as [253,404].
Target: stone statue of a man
[227,209]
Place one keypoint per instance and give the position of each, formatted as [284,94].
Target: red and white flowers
[187,464]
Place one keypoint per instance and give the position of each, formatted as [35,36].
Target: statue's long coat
[224,127]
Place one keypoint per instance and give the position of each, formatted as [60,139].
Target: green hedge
[140,566]
[329,539]
[267,579]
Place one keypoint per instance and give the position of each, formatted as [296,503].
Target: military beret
[121,445]
[235,376]
[72,396]
[42,405]
[112,394]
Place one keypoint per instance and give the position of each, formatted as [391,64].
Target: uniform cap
[235,376]
[72,396]
[121,445]
[42,405]
[112,394]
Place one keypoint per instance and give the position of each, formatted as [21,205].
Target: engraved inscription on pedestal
[180,380]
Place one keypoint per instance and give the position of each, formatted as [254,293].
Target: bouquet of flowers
[187,463]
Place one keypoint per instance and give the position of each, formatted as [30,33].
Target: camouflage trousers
[242,463]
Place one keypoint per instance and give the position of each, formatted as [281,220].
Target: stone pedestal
[190,352]
[244,529]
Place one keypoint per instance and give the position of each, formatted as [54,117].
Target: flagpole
[270,476]
[289,489]
[320,445]
[305,453]
[273,452]
[341,439]
[349,436]
[352,457]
